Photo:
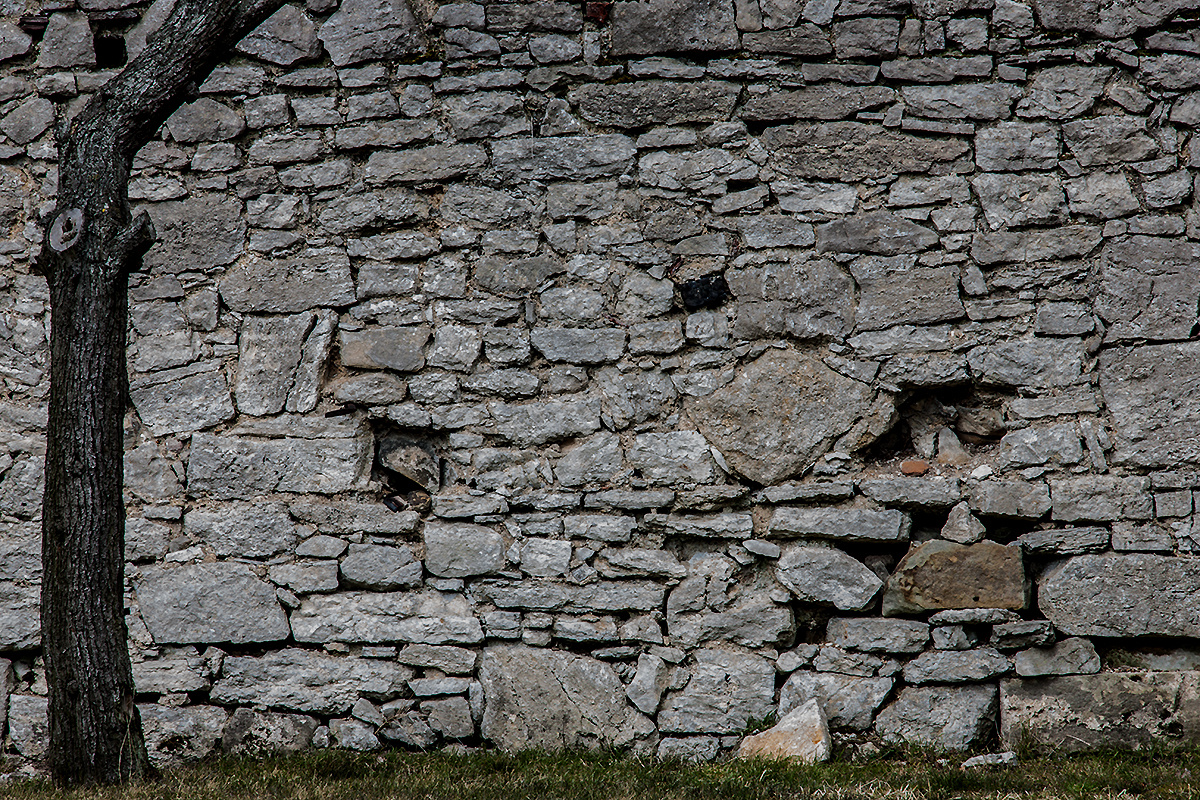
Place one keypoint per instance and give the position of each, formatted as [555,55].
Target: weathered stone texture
[945,717]
[203,603]
[1134,594]
[302,680]
[1126,710]
[774,420]
[940,574]
[541,698]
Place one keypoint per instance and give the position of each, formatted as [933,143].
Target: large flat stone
[1125,710]
[725,691]
[537,698]
[187,398]
[209,603]
[257,530]
[665,26]
[521,160]
[782,412]
[598,597]
[895,291]
[237,467]
[426,617]
[826,101]
[434,163]
[315,277]
[939,574]
[1153,395]
[195,234]
[633,105]
[852,151]
[942,717]
[1129,594]
[877,232]
[1148,288]
[303,680]
[842,524]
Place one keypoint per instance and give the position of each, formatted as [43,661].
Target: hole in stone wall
[947,425]
[409,465]
[110,50]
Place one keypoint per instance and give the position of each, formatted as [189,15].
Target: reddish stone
[914,466]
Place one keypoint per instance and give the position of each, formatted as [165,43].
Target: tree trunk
[91,245]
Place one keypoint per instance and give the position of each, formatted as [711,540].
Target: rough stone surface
[456,550]
[877,635]
[725,691]
[774,419]
[1133,594]
[1126,710]
[664,26]
[542,698]
[361,30]
[940,574]
[943,717]
[302,680]
[176,735]
[201,603]
[427,617]
[802,735]
[261,733]
[827,575]
[849,701]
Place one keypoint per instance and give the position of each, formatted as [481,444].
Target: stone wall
[573,374]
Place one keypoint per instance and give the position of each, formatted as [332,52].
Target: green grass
[335,775]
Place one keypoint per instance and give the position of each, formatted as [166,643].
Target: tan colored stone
[802,735]
[939,574]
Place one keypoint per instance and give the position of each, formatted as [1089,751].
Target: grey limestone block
[956,666]
[1067,657]
[543,698]
[1129,594]
[1125,710]
[943,717]
[849,702]
[665,26]
[307,681]
[871,635]
[177,735]
[420,617]
[209,603]
[827,575]
[286,37]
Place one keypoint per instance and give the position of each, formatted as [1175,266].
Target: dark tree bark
[91,245]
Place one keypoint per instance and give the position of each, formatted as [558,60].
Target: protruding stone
[802,735]
[849,701]
[784,411]
[827,575]
[1068,657]
[363,30]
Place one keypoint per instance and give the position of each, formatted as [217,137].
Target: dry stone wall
[548,374]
